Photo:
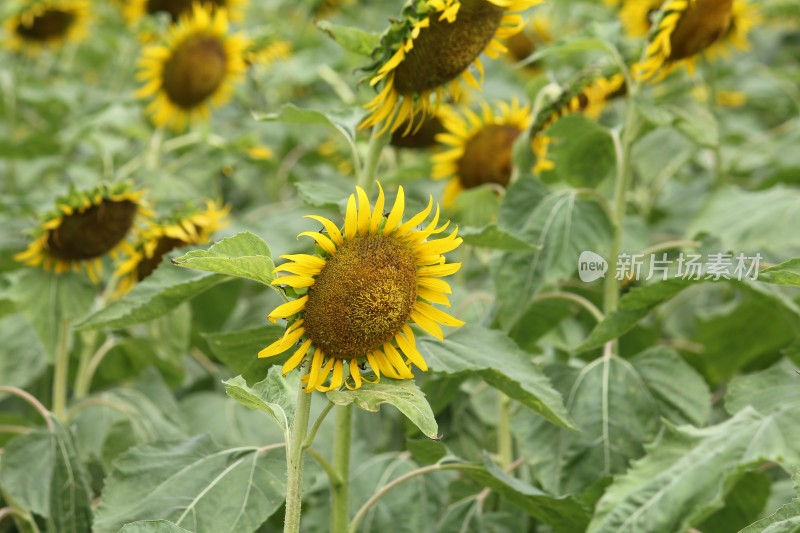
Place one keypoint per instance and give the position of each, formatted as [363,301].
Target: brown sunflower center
[147,265]
[92,233]
[520,46]
[52,24]
[195,71]
[487,156]
[423,137]
[444,50]
[176,8]
[700,25]
[362,297]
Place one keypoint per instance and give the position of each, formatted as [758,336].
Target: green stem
[622,149]
[294,460]
[88,339]
[711,82]
[505,440]
[577,298]
[317,423]
[86,370]
[366,178]
[61,373]
[340,511]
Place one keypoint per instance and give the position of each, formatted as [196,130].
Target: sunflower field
[441,266]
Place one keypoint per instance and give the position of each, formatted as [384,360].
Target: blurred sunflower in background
[134,10]
[47,25]
[744,17]
[327,8]
[423,136]
[267,51]
[369,280]
[429,48]
[588,96]
[637,16]
[193,71]
[480,147]
[183,228]
[84,227]
[685,29]
[537,33]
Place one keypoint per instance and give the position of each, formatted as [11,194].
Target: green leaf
[743,504]
[22,356]
[351,39]
[784,520]
[227,422]
[239,350]
[696,122]
[684,476]
[570,46]
[163,291]
[582,150]
[152,526]
[244,255]
[42,472]
[274,396]
[787,273]
[495,238]
[563,513]
[765,391]
[493,356]
[48,300]
[195,485]
[402,394]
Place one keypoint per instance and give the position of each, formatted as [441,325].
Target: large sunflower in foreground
[84,227]
[685,29]
[480,147]
[136,9]
[192,226]
[430,47]
[368,282]
[48,24]
[193,71]
[586,97]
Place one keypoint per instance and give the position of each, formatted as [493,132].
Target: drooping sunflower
[423,136]
[588,96]
[429,48]
[370,280]
[480,147]
[134,10]
[685,29]
[48,24]
[189,226]
[637,16]
[194,71]
[537,33]
[84,227]
[743,17]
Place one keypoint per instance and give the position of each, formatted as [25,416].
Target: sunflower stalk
[61,372]
[341,459]
[710,78]
[294,459]
[366,178]
[505,440]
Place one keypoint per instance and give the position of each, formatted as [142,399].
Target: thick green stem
[366,178]
[340,511]
[505,440]
[81,387]
[294,460]
[710,78]
[61,372]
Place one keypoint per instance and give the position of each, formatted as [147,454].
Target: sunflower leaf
[152,526]
[495,238]
[403,394]
[195,485]
[787,273]
[244,255]
[274,395]
[784,520]
[497,359]
[350,38]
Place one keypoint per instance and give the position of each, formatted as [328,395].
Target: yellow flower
[528,41]
[686,28]
[637,16]
[260,153]
[369,281]
[587,98]
[743,17]
[136,9]
[195,70]
[192,227]
[48,24]
[480,147]
[83,228]
[266,53]
[430,48]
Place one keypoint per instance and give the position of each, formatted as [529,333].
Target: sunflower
[48,24]
[325,8]
[523,44]
[589,98]
[83,228]
[423,136]
[637,16]
[685,29]
[480,147]
[433,44]
[134,10]
[743,17]
[194,71]
[194,226]
[268,52]
[368,282]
